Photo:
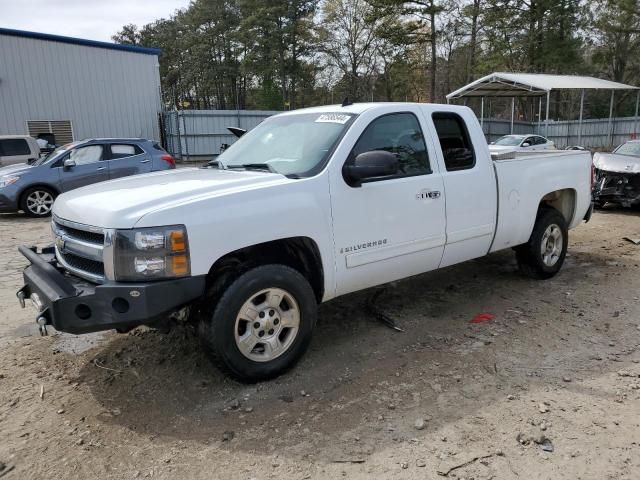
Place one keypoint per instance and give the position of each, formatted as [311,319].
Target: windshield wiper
[253,166]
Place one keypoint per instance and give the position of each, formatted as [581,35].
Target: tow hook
[42,326]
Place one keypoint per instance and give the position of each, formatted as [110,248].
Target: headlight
[6,180]
[151,253]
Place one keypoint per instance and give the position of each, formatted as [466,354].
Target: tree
[347,37]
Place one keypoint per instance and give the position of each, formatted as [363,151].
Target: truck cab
[310,205]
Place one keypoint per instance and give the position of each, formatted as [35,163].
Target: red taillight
[169,159]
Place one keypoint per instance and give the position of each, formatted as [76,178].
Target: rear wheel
[543,255]
[262,323]
[37,201]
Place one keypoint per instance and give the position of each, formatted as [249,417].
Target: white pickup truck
[309,205]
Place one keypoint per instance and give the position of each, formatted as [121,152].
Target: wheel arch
[563,200]
[34,185]
[300,253]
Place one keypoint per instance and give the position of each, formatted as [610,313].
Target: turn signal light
[180,265]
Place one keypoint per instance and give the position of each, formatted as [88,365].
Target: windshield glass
[290,144]
[57,153]
[629,148]
[509,140]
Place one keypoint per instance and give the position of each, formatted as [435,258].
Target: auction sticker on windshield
[333,118]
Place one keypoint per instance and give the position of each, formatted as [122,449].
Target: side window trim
[402,175]
[464,130]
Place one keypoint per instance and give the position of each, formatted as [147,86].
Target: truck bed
[523,179]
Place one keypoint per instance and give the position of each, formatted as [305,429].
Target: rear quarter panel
[525,180]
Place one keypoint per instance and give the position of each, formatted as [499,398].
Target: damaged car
[617,176]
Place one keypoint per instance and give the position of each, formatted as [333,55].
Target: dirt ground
[548,389]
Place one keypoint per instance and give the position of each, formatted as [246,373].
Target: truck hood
[123,202]
[611,162]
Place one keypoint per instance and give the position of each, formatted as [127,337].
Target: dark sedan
[33,187]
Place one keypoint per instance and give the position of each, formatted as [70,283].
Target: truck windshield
[629,148]
[294,145]
[509,141]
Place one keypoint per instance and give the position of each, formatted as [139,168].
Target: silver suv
[33,187]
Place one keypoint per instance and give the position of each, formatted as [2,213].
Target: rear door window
[10,147]
[124,150]
[457,149]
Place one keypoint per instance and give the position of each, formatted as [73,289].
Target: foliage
[281,54]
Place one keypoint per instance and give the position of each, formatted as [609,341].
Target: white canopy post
[580,122]
[539,115]
[513,107]
[635,120]
[610,138]
[546,120]
[482,112]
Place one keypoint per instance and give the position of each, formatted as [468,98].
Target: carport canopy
[501,84]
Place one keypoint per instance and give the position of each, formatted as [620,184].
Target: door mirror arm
[69,164]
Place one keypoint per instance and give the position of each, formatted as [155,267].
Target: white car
[521,143]
[309,205]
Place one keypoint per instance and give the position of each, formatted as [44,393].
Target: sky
[91,19]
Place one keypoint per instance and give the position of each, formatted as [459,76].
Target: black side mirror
[370,165]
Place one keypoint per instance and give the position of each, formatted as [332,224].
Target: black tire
[530,256]
[218,326]
[27,207]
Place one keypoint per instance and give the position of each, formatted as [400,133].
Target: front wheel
[37,201]
[262,323]
[543,255]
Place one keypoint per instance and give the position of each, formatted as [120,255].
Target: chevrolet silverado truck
[309,205]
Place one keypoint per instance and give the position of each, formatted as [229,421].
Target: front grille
[84,264]
[92,237]
[80,251]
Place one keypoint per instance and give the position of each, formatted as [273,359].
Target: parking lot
[549,388]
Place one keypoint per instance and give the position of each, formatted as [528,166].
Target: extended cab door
[390,227]
[470,183]
[127,159]
[90,167]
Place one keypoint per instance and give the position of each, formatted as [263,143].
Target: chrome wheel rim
[40,202]
[551,246]
[267,324]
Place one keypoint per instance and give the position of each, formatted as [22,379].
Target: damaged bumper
[71,304]
[617,187]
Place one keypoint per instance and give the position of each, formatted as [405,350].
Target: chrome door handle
[145,161]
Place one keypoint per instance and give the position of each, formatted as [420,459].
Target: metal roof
[79,41]
[500,84]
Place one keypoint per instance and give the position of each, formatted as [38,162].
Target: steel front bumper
[74,305]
